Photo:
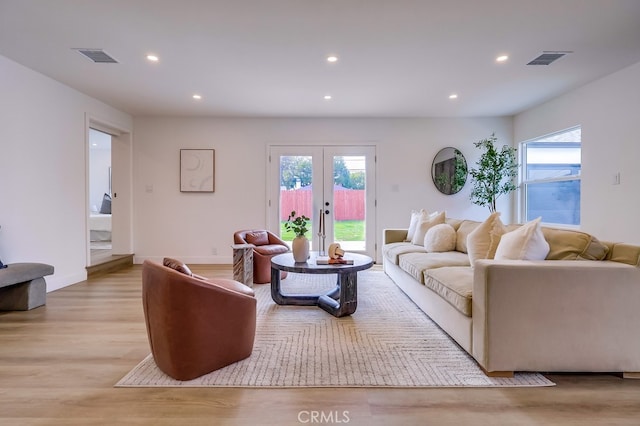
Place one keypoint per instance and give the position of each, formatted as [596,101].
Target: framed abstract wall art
[197,170]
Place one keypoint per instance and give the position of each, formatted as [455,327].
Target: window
[550,179]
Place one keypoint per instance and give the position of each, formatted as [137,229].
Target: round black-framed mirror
[449,170]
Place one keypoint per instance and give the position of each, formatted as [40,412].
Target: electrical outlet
[214,251]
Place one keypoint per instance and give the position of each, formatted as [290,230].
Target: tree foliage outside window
[296,172]
[495,174]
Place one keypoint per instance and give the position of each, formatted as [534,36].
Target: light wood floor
[58,365]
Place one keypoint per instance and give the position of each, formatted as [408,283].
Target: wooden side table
[243,263]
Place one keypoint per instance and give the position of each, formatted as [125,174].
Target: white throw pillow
[440,238]
[525,243]
[483,241]
[423,227]
[417,216]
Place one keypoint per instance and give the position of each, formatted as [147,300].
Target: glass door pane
[296,190]
[349,197]
[349,208]
[295,184]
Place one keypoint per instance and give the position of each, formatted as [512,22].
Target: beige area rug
[387,342]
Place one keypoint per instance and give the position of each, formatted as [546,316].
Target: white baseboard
[55,282]
[192,260]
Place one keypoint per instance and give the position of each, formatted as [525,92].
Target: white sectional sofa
[576,311]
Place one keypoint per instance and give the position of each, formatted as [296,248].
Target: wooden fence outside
[348,204]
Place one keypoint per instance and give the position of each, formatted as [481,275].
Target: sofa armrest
[556,316]
[393,235]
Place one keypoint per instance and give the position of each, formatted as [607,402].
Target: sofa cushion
[416,263]
[568,244]
[525,243]
[257,238]
[392,251]
[177,265]
[423,227]
[232,285]
[271,249]
[454,284]
[454,222]
[483,241]
[463,232]
[439,238]
[624,253]
[417,216]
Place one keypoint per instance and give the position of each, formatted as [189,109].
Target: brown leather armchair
[196,325]
[266,245]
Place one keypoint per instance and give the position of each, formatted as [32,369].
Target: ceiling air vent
[98,56]
[547,58]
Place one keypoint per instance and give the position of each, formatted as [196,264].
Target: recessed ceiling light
[332,58]
[327,97]
[197,97]
[453,96]
[502,58]
[153,58]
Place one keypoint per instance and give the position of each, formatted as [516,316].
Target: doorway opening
[109,202]
[100,193]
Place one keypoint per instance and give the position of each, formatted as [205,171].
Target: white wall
[43,194]
[189,225]
[608,111]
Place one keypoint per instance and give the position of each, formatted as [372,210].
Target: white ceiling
[266,58]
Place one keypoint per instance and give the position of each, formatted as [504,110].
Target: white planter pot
[300,248]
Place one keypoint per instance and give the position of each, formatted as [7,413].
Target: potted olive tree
[495,174]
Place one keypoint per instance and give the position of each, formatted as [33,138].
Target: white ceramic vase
[300,248]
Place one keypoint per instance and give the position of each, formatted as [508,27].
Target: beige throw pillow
[463,231]
[483,241]
[417,216]
[525,243]
[440,238]
[423,227]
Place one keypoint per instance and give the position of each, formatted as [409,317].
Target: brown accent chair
[266,245]
[195,325]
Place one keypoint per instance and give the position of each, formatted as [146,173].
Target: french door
[335,183]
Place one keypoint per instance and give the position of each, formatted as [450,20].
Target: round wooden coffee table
[339,302]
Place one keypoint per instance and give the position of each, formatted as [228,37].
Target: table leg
[293,299]
[347,300]
[335,293]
